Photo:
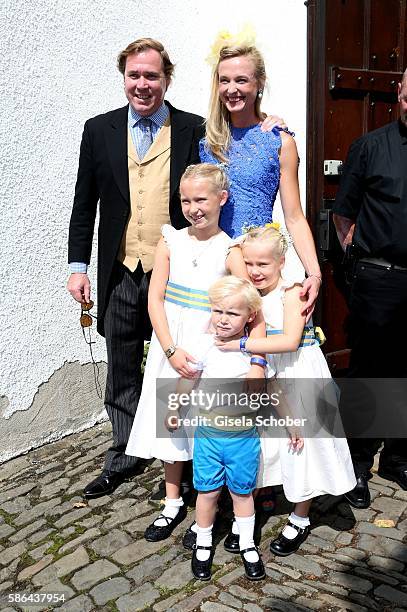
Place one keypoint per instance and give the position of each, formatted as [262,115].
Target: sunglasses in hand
[86,321]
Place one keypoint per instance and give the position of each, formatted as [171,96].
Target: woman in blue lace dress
[258,163]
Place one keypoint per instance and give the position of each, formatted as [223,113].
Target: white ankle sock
[235,528]
[203,538]
[194,526]
[170,510]
[245,526]
[301,521]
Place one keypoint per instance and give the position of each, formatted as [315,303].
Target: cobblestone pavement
[95,554]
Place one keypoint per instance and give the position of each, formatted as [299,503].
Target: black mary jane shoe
[189,538]
[282,546]
[201,569]
[254,570]
[155,533]
[231,543]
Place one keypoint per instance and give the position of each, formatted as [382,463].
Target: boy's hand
[181,361]
[255,380]
[226,345]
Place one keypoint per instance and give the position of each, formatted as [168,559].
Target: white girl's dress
[323,465]
[194,266]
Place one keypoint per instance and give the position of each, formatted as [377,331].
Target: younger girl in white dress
[187,262]
[305,467]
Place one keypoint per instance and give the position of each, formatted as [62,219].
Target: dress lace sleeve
[235,242]
[204,154]
[169,234]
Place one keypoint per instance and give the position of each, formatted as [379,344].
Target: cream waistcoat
[149,182]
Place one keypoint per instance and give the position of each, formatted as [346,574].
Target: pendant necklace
[196,257]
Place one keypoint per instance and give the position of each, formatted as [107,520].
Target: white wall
[58,69]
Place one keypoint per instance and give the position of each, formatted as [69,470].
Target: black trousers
[378,339]
[127,325]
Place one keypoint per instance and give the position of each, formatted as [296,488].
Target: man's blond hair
[143,44]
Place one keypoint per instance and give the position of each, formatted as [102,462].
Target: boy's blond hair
[228,286]
[216,175]
[271,236]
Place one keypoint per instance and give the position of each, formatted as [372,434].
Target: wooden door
[357,51]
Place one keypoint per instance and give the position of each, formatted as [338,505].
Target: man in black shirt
[370,215]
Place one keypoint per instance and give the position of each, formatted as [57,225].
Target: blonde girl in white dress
[319,464]
[187,262]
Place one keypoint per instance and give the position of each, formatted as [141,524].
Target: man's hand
[310,289]
[272,121]
[79,287]
[181,362]
[344,228]
[226,345]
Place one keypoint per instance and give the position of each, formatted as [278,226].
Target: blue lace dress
[254,173]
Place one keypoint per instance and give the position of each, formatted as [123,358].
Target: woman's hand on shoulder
[294,293]
[181,362]
[272,121]
[309,293]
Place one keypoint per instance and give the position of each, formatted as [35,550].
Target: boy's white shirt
[223,364]
[219,371]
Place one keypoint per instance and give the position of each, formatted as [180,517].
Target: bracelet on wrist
[170,351]
[318,276]
[243,341]
[258,361]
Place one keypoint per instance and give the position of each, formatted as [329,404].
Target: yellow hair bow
[246,37]
[320,336]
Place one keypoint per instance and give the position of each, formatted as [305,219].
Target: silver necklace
[197,255]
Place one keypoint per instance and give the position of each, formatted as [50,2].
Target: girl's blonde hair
[218,121]
[228,286]
[270,235]
[216,175]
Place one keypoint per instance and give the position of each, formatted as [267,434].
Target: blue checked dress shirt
[142,132]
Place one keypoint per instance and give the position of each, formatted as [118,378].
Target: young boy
[226,443]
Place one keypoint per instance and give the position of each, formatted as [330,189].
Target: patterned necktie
[146,139]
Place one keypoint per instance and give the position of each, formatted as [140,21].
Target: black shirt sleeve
[349,198]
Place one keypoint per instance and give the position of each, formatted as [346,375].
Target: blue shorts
[226,457]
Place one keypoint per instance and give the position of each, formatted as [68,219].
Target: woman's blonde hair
[272,236]
[228,286]
[216,175]
[218,122]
